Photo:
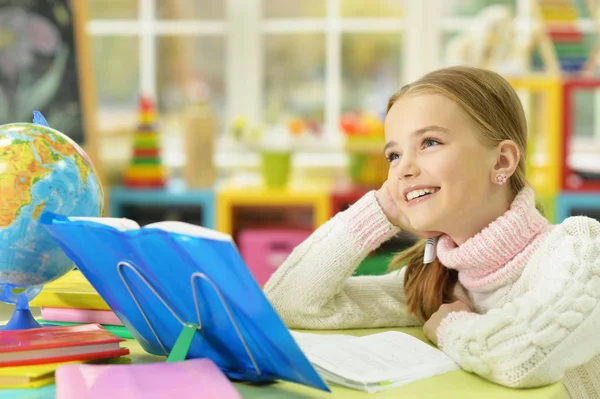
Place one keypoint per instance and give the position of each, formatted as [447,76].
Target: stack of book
[29,358]
[72,300]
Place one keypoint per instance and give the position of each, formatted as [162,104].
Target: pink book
[198,378]
[81,315]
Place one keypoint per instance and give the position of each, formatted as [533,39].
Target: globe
[41,170]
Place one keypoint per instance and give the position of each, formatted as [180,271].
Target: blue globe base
[22,319]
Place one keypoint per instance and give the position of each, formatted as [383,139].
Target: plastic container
[264,250]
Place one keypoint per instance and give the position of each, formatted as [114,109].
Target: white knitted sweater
[530,328]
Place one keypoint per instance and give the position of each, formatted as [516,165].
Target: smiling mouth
[421,193]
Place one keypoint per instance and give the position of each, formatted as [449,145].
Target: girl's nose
[408,168]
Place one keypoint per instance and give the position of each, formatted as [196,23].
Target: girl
[508,296]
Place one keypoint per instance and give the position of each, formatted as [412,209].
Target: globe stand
[21,319]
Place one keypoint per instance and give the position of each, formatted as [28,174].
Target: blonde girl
[507,295]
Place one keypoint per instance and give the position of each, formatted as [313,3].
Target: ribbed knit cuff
[447,322]
[367,223]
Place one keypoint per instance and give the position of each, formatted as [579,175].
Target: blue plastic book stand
[162,283]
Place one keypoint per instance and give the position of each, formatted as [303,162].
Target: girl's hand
[431,326]
[394,214]
[390,206]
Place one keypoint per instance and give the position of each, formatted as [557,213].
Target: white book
[124,224]
[373,362]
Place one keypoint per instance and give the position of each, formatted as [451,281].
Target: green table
[457,384]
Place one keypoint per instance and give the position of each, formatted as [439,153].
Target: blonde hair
[496,111]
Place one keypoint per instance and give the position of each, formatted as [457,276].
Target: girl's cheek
[394,189]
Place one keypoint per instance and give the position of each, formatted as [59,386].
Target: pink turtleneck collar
[497,255]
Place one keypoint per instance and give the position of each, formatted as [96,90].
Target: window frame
[244,29]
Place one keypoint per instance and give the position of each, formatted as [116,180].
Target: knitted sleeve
[554,327]
[314,288]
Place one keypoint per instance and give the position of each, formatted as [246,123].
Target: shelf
[174,201]
[233,196]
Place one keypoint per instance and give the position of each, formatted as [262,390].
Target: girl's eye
[430,143]
[392,157]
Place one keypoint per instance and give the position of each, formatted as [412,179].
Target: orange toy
[296,126]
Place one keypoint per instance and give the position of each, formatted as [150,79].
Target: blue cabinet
[174,202]
[573,204]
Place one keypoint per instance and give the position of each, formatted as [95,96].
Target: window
[267,60]
[172,51]
[459,19]
[323,58]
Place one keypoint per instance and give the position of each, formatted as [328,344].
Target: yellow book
[18,382]
[70,291]
[31,376]
[39,375]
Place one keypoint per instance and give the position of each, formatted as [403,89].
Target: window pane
[453,48]
[294,8]
[188,69]
[370,71]
[117,83]
[190,9]
[470,8]
[117,9]
[294,77]
[372,8]
[117,90]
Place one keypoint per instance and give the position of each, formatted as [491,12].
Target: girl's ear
[507,160]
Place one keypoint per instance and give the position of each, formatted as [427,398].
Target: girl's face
[440,172]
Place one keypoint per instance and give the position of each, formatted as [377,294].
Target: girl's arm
[554,327]
[314,289]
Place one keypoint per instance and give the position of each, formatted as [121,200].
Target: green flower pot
[276,168]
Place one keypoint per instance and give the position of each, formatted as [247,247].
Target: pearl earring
[500,178]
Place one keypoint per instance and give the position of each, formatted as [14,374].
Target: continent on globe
[30,158]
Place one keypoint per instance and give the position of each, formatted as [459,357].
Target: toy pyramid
[146,169]
[570,44]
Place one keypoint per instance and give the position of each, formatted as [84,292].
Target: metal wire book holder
[184,341]
[184,296]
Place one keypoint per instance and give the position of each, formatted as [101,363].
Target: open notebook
[374,362]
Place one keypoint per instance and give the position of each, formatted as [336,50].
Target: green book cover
[119,331]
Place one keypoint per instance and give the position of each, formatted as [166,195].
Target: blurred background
[263,118]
